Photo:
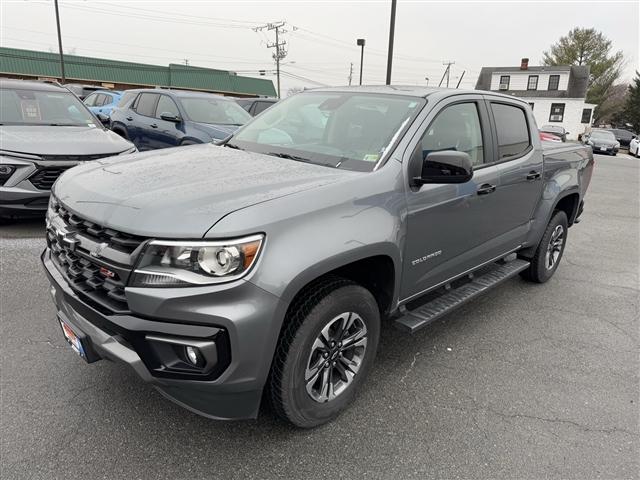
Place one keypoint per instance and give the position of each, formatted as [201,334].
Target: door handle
[486,189]
[533,175]
[130,118]
[153,125]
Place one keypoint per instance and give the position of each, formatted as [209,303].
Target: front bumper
[248,319]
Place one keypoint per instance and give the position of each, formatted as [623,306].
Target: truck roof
[413,90]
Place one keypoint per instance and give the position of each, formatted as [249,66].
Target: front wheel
[550,250]
[325,352]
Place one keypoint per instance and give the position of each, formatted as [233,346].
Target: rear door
[451,228]
[519,162]
[142,116]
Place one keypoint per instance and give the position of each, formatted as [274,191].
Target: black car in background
[256,105]
[601,141]
[555,130]
[623,136]
[161,118]
[45,130]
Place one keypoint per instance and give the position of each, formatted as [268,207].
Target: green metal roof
[16,61]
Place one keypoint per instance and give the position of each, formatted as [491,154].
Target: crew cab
[266,263]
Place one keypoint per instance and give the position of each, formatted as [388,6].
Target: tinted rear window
[147,104]
[513,131]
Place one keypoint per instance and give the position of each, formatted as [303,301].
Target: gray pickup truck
[266,264]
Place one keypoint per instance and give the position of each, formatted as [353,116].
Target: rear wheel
[549,251]
[325,352]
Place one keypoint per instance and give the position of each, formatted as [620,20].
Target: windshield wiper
[288,156]
[231,145]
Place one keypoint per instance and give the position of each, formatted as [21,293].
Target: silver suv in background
[45,130]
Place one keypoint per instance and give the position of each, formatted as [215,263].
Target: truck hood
[182,192]
[52,140]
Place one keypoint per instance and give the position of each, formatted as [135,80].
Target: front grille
[45,177]
[96,261]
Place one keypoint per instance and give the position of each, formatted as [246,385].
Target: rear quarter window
[512,129]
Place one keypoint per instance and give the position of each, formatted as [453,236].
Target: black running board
[420,317]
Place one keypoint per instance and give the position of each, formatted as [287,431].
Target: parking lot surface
[529,381]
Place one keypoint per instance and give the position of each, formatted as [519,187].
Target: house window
[586,115]
[533,82]
[554,81]
[504,82]
[531,105]
[557,112]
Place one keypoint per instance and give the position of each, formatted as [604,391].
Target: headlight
[183,264]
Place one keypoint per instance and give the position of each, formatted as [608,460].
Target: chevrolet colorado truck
[266,264]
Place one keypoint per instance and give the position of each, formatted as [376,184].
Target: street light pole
[62,76]
[392,27]
[360,42]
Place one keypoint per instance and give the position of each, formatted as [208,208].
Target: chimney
[524,64]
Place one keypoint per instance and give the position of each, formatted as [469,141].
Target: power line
[279,46]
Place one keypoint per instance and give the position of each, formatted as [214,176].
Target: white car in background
[634,147]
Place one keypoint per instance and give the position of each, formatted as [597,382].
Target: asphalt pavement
[527,382]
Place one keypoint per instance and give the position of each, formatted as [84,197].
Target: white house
[556,94]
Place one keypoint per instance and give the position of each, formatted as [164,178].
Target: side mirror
[445,167]
[170,117]
[104,120]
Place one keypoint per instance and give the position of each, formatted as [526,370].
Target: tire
[296,390]
[121,132]
[541,268]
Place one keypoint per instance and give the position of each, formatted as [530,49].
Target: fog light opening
[193,355]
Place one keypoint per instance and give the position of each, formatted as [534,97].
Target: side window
[512,128]
[557,112]
[102,99]
[554,82]
[90,101]
[456,128]
[146,104]
[166,105]
[261,107]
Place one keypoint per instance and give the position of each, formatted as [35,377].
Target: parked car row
[46,129]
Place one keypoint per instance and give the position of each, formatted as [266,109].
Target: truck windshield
[42,107]
[337,129]
[214,111]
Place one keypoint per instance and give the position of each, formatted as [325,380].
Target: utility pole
[361,42]
[280,52]
[186,62]
[350,73]
[461,77]
[447,73]
[427,79]
[392,27]
[62,75]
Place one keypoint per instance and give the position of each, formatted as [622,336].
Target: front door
[165,133]
[450,228]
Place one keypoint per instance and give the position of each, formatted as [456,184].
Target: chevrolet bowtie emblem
[98,249]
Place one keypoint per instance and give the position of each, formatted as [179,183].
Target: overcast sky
[321,38]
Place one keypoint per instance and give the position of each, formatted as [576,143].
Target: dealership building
[556,93]
[30,64]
